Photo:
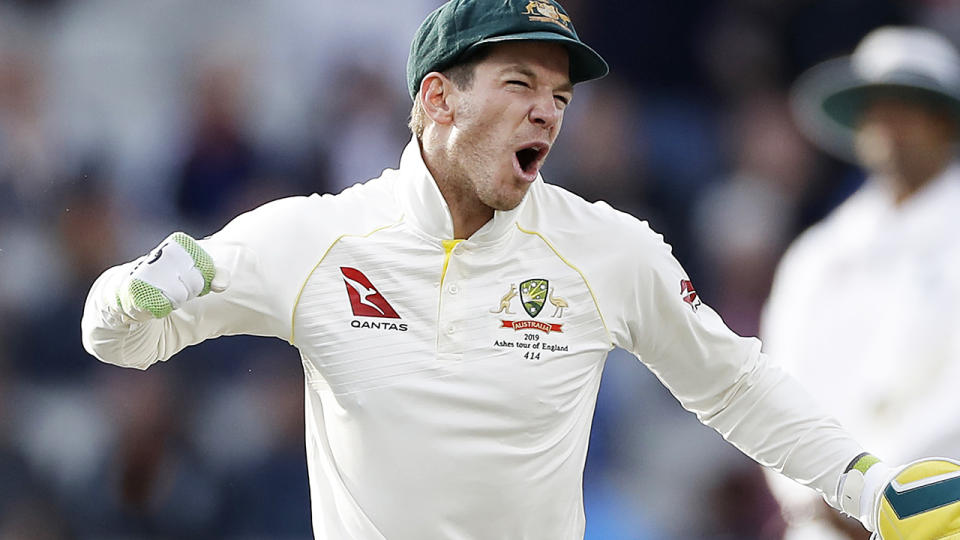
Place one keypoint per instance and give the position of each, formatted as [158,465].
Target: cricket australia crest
[533,295]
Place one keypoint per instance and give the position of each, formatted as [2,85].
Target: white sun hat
[910,63]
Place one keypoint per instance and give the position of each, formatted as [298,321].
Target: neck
[467,211]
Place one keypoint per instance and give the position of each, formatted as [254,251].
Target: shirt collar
[425,207]
[935,193]
[872,212]
[928,198]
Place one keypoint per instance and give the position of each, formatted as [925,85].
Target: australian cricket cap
[459,26]
[908,63]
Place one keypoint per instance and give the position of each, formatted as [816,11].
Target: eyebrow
[526,71]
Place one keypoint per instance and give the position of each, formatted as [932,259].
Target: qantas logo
[365,299]
[689,294]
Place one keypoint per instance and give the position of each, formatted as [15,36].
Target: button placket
[449,291]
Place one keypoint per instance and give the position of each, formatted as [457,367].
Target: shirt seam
[579,272]
[296,302]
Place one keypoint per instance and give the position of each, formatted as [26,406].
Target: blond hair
[417,116]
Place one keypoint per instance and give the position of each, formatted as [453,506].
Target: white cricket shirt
[864,311]
[450,385]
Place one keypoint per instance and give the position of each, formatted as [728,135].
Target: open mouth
[530,157]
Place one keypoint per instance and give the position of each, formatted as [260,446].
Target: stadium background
[121,121]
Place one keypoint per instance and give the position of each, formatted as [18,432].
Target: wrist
[860,487]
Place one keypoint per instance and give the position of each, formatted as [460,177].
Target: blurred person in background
[268,497]
[220,162]
[362,111]
[28,507]
[151,482]
[83,233]
[744,220]
[865,305]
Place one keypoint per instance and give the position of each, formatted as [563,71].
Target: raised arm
[147,310]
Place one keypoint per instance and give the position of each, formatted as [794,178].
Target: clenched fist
[177,271]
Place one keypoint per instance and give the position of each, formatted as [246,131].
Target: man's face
[505,123]
[903,139]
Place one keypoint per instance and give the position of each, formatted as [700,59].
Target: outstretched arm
[736,389]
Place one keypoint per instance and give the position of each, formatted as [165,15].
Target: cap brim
[585,63]
[828,99]
[845,105]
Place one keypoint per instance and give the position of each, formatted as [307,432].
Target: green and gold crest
[533,294]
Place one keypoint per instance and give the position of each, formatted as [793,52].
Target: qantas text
[402,327]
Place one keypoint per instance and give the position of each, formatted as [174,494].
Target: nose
[545,112]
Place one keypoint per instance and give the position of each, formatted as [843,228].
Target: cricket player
[453,315]
[864,306]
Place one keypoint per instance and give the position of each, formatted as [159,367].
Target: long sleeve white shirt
[437,404]
[864,311]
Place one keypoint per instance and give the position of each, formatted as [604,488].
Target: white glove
[177,271]
[919,501]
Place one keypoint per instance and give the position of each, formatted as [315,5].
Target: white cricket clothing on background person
[864,311]
[450,386]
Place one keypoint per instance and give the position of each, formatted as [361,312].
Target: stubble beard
[474,158]
[473,176]
[495,182]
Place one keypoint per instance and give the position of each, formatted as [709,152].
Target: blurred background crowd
[123,121]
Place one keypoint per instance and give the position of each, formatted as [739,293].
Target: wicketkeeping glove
[919,501]
[176,271]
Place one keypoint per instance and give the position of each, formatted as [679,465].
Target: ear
[437,97]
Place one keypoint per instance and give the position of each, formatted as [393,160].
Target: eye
[519,83]
[562,99]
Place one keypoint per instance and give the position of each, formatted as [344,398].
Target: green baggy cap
[460,25]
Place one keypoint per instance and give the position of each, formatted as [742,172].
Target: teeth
[536,149]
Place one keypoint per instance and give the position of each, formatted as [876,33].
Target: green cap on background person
[459,26]
[909,63]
